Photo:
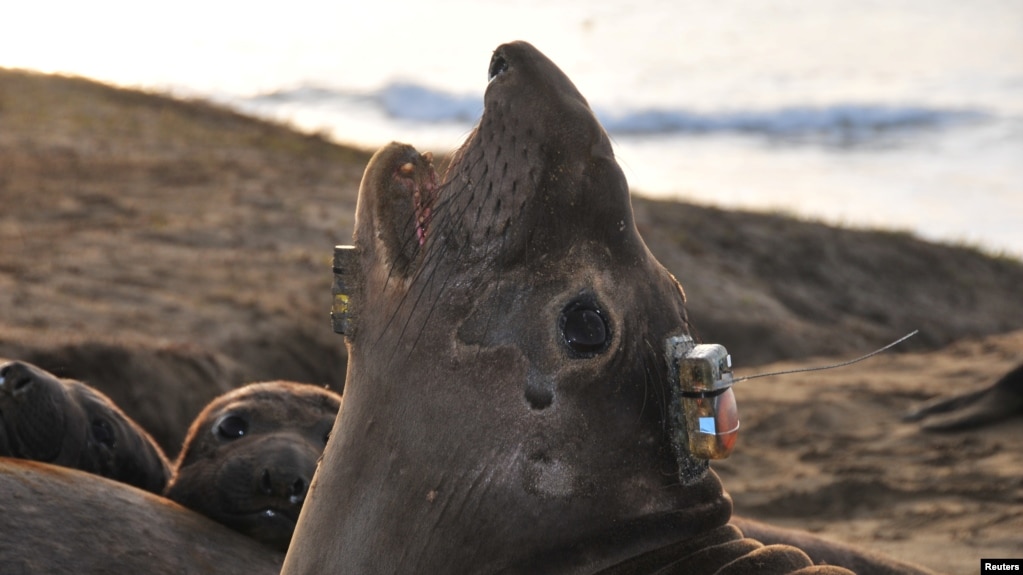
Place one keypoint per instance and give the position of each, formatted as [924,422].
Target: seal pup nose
[266,484]
[15,377]
[298,488]
[290,486]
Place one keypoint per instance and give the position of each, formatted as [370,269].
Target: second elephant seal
[250,455]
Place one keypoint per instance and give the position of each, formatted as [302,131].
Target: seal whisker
[491,224]
[415,247]
[433,303]
[441,223]
[654,375]
[648,381]
[446,224]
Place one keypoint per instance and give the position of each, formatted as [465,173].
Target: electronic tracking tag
[705,412]
[705,418]
[342,313]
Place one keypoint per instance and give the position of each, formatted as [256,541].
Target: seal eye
[498,66]
[584,329]
[102,432]
[231,427]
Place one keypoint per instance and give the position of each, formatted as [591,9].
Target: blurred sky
[251,46]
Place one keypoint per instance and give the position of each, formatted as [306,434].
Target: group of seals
[68,423]
[507,406]
[250,455]
[246,462]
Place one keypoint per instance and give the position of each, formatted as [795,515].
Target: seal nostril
[266,484]
[498,66]
[297,490]
[538,396]
[15,377]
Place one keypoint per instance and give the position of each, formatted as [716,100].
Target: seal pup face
[68,423]
[250,455]
[506,400]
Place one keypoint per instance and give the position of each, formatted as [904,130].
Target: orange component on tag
[712,424]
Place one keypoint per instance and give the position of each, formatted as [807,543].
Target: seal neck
[645,544]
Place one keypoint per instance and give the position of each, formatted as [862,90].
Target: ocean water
[904,114]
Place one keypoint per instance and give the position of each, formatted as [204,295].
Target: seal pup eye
[102,432]
[231,427]
[584,329]
[498,66]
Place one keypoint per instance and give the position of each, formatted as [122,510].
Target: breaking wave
[408,102]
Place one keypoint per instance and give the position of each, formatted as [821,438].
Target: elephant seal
[508,406]
[999,401]
[250,455]
[68,423]
[62,520]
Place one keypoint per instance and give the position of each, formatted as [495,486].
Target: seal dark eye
[498,66]
[231,427]
[584,329]
[102,432]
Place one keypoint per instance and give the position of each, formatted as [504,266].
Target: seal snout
[498,66]
[15,378]
[287,484]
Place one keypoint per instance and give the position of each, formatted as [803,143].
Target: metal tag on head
[342,313]
[706,415]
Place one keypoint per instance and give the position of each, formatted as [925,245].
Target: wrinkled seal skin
[66,422]
[826,552]
[1000,401]
[250,455]
[506,407]
[61,520]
